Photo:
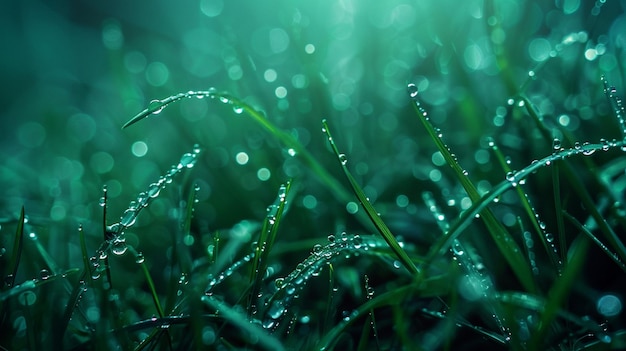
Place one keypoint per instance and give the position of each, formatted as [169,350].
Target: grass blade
[156,106]
[238,319]
[613,256]
[559,292]
[266,241]
[16,253]
[369,209]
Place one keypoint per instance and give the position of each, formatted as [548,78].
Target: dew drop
[276,310]
[457,248]
[412,90]
[119,246]
[331,238]
[140,258]
[44,274]
[187,160]
[154,190]
[155,107]
[396,264]
[237,109]
[556,144]
[317,248]
[102,201]
[279,282]
[343,159]
[268,323]
[128,218]
[510,176]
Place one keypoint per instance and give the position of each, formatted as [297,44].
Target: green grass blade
[558,206]
[140,260]
[32,284]
[239,320]
[266,241]
[156,106]
[369,209]
[613,256]
[499,234]
[559,292]
[16,253]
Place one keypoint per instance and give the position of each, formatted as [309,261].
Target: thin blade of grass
[559,292]
[498,232]
[369,209]
[156,106]
[558,206]
[16,253]
[266,241]
[612,255]
[140,260]
[32,284]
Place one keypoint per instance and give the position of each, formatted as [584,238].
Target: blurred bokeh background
[74,71]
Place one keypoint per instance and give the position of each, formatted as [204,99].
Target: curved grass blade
[369,209]
[32,284]
[499,234]
[156,106]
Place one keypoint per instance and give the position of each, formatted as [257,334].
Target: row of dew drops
[116,241]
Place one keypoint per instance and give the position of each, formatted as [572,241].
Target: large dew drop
[413,91]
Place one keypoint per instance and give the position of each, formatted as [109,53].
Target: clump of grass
[480,282]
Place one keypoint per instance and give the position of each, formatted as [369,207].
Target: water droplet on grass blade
[44,274]
[155,107]
[187,160]
[119,246]
[343,159]
[154,190]
[140,258]
[412,90]
[128,218]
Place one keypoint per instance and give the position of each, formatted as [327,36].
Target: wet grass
[528,255]
[427,298]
